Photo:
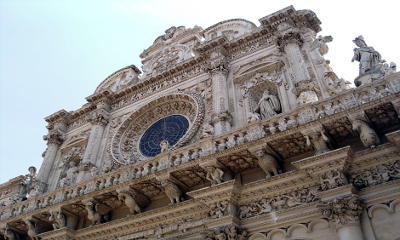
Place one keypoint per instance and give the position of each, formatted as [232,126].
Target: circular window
[170,129]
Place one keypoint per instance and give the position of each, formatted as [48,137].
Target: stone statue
[268,106]
[164,145]
[129,201]
[214,175]
[368,136]
[58,219]
[172,191]
[267,163]
[69,176]
[368,57]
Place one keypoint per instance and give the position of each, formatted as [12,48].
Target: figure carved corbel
[58,219]
[214,175]
[368,136]
[172,191]
[92,212]
[8,233]
[267,162]
[127,196]
[32,232]
[318,139]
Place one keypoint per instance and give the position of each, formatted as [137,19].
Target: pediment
[271,63]
[120,79]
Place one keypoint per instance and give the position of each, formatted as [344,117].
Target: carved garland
[124,148]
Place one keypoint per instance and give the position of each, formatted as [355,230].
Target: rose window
[170,129]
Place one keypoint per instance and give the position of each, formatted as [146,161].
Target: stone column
[54,139]
[345,213]
[99,120]
[290,44]
[221,117]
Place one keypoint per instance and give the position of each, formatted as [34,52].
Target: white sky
[53,54]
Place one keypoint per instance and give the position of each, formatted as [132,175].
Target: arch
[395,205]
[295,227]
[378,207]
[258,236]
[317,224]
[276,234]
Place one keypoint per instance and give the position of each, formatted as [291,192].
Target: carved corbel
[8,233]
[216,172]
[57,218]
[172,187]
[360,124]
[267,160]
[134,200]
[31,228]
[92,209]
[317,137]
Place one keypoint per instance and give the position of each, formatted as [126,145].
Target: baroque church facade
[235,131]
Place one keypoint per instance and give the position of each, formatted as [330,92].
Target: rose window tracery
[169,129]
[163,124]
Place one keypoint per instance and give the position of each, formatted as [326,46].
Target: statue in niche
[69,176]
[369,58]
[268,106]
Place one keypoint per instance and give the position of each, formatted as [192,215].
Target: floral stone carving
[342,211]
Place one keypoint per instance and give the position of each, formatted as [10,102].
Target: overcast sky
[53,54]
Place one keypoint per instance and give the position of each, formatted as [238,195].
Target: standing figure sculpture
[368,57]
[268,106]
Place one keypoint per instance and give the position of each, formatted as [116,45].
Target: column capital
[55,136]
[290,37]
[219,65]
[342,211]
[99,117]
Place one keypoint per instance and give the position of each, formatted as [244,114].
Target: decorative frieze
[343,211]
[377,175]
[278,203]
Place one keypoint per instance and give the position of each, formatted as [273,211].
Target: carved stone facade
[232,132]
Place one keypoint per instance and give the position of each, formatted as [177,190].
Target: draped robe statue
[369,58]
[268,106]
